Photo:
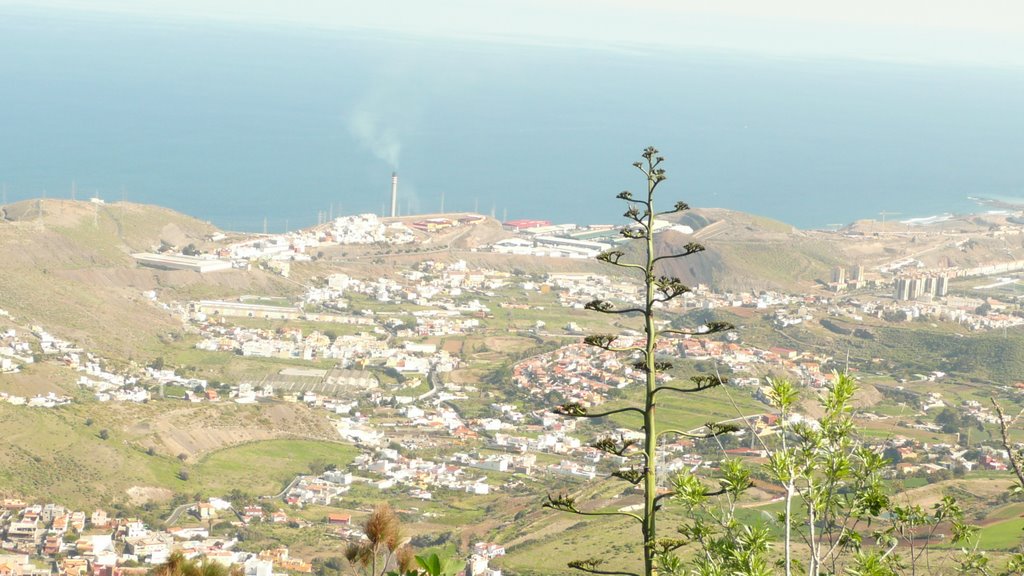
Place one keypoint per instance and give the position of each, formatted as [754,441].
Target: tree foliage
[837,505]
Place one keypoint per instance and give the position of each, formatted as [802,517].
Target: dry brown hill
[750,252]
[59,454]
[746,252]
[67,266]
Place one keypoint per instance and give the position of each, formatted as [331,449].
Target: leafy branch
[704,330]
[567,503]
[701,383]
[604,341]
[592,566]
[607,307]
[577,410]
[1015,456]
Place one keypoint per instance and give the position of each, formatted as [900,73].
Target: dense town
[374,363]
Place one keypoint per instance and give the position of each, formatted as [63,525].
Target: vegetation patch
[265,468]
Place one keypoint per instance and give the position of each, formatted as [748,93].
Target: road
[287,488]
[173,518]
[434,382]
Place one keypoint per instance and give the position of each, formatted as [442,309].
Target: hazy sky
[982,32]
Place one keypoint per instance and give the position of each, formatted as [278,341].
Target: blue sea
[238,124]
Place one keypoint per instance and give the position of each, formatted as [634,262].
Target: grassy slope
[902,349]
[1005,535]
[794,264]
[264,468]
[543,541]
[748,252]
[74,274]
[54,455]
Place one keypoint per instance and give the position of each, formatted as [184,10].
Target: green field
[265,468]
[1007,535]
[60,455]
[688,411]
[1007,512]
[226,366]
[575,539]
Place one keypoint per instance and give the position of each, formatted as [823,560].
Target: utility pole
[885,213]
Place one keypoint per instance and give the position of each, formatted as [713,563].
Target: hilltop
[745,252]
[749,252]
[78,254]
[68,264]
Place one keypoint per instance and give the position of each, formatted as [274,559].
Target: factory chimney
[394,194]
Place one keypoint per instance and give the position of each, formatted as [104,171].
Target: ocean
[241,125]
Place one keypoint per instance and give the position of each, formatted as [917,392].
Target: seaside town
[329,288]
[380,358]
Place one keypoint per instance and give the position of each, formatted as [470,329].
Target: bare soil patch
[194,431]
[139,495]
[452,346]
[464,377]
[37,379]
[506,344]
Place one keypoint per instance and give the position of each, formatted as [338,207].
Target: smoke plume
[374,135]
